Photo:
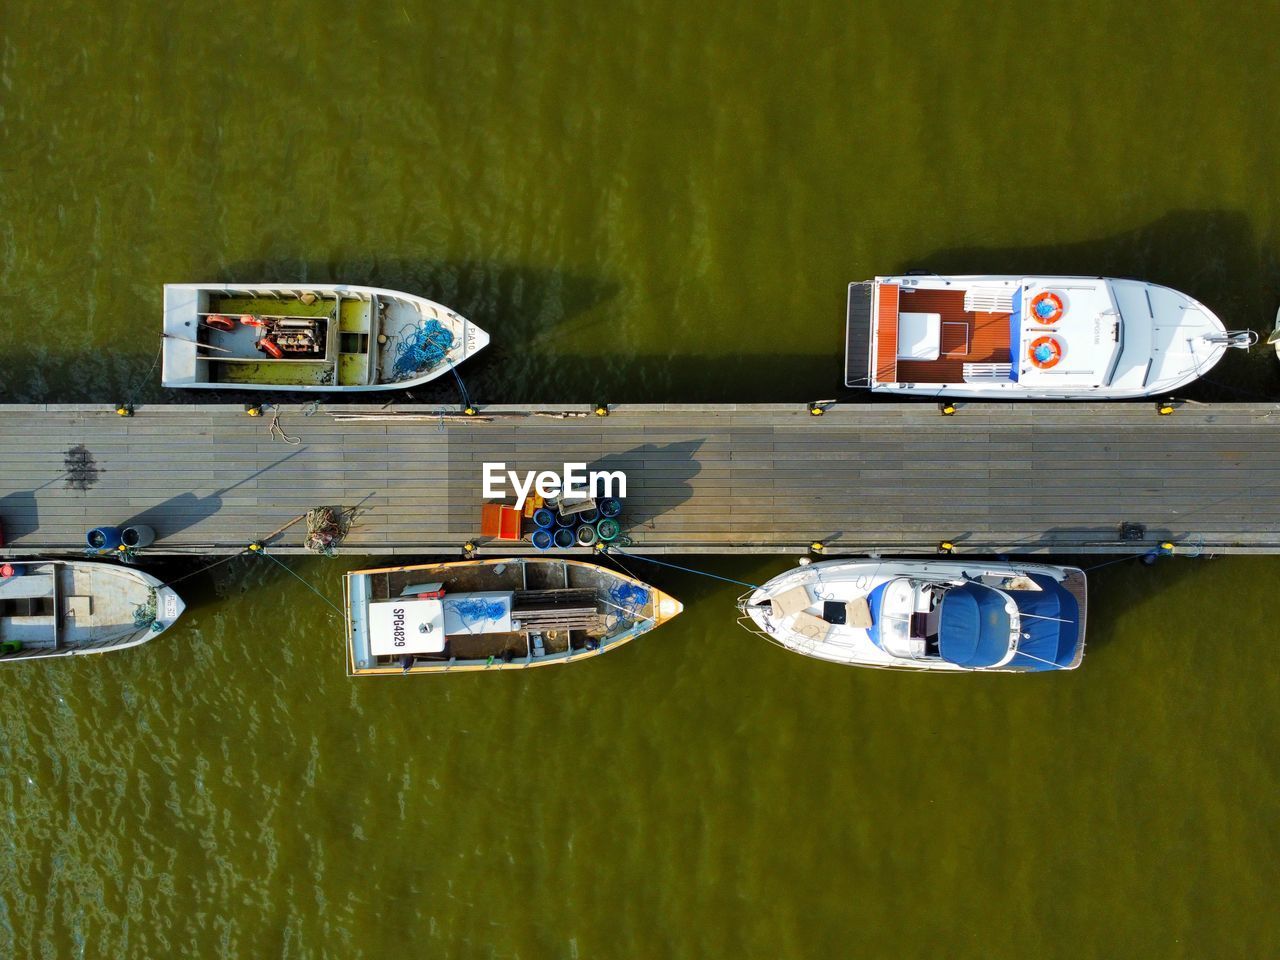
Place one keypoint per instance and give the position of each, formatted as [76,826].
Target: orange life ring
[1045,352]
[249,320]
[270,347]
[1040,314]
[219,322]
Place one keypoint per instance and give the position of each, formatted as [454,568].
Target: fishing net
[475,610]
[326,526]
[422,349]
[627,599]
[144,614]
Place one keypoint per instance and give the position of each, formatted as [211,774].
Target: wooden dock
[892,478]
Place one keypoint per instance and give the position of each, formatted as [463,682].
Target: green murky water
[644,202]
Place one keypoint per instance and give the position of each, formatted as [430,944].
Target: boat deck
[963,336]
[898,478]
[967,337]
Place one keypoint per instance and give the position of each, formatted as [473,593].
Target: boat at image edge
[59,608]
[945,616]
[308,337]
[493,614]
[1032,338]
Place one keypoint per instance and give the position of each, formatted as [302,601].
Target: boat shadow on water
[524,308]
[1214,256]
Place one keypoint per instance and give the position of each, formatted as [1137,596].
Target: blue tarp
[1049,643]
[973,629]
[1015,334]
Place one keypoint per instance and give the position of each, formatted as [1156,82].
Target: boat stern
[180,366]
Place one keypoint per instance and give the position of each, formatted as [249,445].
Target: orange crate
[500,521]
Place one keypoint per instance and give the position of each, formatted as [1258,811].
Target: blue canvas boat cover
[973,630]
[1046,644]
[875,600]
[1015,334]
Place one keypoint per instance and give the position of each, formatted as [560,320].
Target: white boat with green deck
[308,337]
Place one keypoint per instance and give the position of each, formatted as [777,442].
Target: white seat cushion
[790,602]
[919,336]
[810,627]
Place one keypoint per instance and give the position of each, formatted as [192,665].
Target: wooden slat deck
[896,478]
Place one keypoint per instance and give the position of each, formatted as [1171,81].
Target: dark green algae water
[652,201]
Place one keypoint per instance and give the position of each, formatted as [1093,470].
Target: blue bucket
[589,516]
[544,518]
[542,539]
[564,538]
[103,538]
[610,507]
[565,521]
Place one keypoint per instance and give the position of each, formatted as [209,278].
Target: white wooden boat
[493,615]
[945,616]
[308,337]
[59,608]
[1029,338]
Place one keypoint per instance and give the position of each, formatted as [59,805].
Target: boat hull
[1169,339]
[364,348]
[624,615]
[843,580]
[91,607]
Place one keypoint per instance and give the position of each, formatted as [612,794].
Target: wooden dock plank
[995,478]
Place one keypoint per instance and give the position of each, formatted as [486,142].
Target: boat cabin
[1027,622]
[1058,333]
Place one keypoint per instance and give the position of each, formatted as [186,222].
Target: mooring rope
[274,428]
[289,570]
[207,566]
[1132,556]
[676,566]
[137,387]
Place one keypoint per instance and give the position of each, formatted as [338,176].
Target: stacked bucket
[556,531]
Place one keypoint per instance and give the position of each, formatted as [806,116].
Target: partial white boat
[1029,338]
[946,616]
[59,608]
[309,337]
[493,615]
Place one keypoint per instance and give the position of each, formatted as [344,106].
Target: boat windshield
[905,617]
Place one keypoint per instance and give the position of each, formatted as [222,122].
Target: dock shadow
[659,479]
[184,510]
[1214,256]
[19,514]
[20,510]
